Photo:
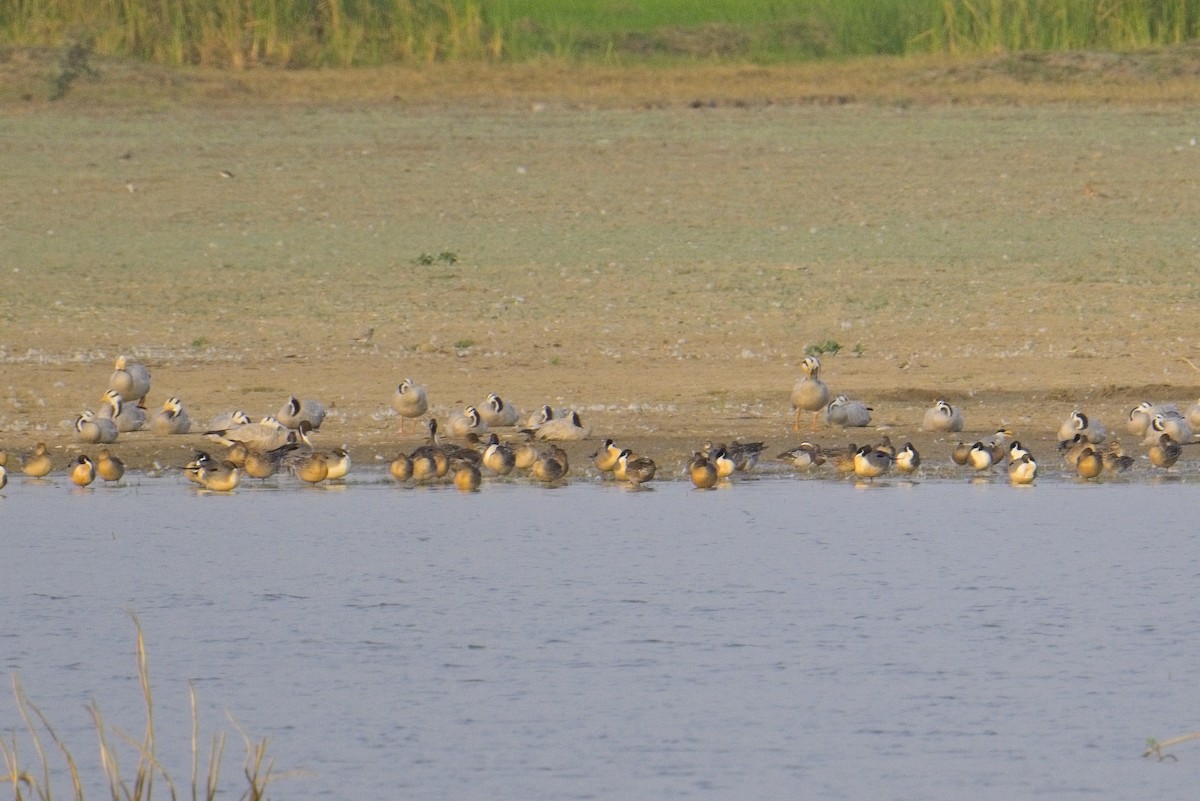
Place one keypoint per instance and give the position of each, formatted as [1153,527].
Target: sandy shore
[661,267]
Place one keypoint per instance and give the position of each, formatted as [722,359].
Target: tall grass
[308,33]
[34,782]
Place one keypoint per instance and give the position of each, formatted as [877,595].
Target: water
[777,639]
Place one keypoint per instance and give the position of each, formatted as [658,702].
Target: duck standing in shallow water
[84,472]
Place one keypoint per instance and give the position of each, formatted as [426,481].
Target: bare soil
[657,249]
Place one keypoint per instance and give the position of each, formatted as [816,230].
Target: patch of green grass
[463,344]
[827,348]
[428,259]
[308,33]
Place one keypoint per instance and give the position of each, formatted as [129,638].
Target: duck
[804,456]
[843,459]
[172,419]
[870,462]
[907,460]
[263,464]
[498,458]
[722,461]
[605,459]
[1073,449]
[550,467]
[430,461]
[1079,423]
[1015,451]
[1115,459]
[1165,452]
[563,429]
[3,476]
[401,468]
[637,470]
[127,416]
[312,468]
[410,401]
[745,454]
[84,472]
[1023,470]
[809,393]
[847,413]
[702,472]
[129,380]
[109,467]
[467,421]
[295,411]
[466,476]
[942,418]
[980,457]
[192,469]
[93,430]
[239,454]
[222,477]
[525,454]
[961,453]
[339,465]
[38,464]
[498,414]
[996,444]
[1090,464]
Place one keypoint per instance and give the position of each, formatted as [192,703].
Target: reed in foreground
[33,782]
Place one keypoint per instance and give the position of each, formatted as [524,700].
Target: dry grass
[29,77]
[35,782]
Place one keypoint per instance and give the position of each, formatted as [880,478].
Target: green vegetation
[827,348]
[33,782]
[309,33]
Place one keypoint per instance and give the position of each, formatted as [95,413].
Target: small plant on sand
[34,782]
[74,64]
[428,259]
[828,347]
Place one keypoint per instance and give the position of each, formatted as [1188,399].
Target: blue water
[777,639]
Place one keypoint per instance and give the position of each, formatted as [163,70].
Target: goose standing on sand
[92,429]
[296,411]
[409,401]
[173,419]
[129,380]
[943,418]
[564,429]
[810,393]
[498,414]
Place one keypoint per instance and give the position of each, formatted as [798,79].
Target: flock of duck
[281,442]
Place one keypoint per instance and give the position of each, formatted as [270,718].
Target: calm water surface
[778,639]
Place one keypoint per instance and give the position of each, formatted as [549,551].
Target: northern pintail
[84,472]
